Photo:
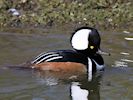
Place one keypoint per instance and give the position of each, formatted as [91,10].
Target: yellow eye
[91,47]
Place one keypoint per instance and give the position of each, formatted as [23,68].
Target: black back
[62,56]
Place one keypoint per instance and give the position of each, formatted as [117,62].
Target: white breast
[99,67]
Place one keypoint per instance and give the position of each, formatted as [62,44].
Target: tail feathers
[26,65]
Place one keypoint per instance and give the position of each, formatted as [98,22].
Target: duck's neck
[98,60]
[95,63]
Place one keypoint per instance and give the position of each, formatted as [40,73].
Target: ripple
[125,53]
[120,64]
[129,39]
[127,60]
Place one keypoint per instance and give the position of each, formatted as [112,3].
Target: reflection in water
[80,87]
[77,93]
[87,90]
[46,78]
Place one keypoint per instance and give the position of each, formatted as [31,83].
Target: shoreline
[58,28]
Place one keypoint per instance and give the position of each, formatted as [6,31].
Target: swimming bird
[84,57]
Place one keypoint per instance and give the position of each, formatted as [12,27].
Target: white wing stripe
[54,58]
[42,55]
[53,55]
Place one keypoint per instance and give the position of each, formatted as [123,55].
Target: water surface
[115,83]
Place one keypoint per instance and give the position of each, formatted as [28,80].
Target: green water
[115,83]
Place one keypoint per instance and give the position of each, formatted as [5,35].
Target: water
[115,83]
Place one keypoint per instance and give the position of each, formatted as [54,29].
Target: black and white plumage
[61,56]
[86,40]
[70,56]
[86,44]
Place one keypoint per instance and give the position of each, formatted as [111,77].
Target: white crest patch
[80,39]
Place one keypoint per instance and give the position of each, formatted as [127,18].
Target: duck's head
[86,40]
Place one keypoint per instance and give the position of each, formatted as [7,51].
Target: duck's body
[61,56]
[85,42]
[66,60]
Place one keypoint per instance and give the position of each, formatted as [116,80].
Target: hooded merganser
[84,56]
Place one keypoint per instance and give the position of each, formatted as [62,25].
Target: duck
[83,57]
